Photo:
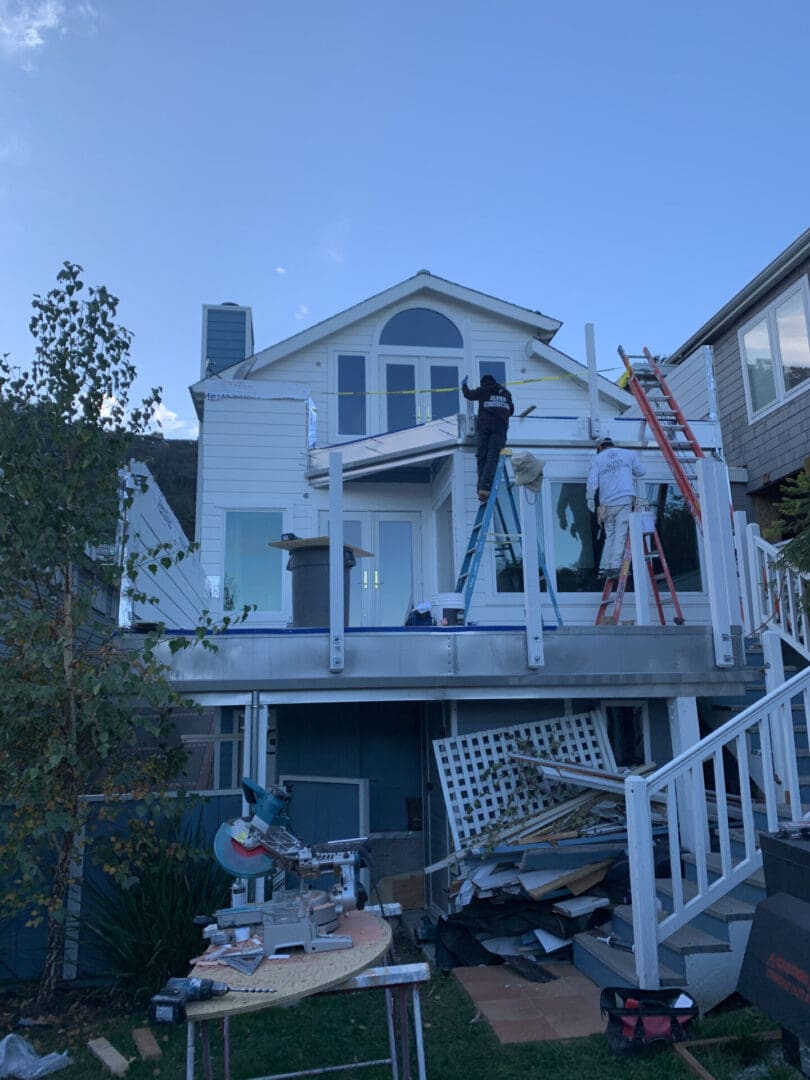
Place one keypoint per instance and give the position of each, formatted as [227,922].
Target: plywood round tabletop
[298,976]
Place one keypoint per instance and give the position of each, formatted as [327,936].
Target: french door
[418,389]
[384,587]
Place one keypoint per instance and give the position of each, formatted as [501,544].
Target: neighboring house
[379,383]
[760,342]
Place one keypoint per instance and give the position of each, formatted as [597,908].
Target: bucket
[648,521]
[447,609]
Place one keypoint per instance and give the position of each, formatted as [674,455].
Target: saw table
[304,974]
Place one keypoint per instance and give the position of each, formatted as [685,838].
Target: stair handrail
[682,780]
[780,594]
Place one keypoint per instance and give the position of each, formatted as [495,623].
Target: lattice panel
[481,786]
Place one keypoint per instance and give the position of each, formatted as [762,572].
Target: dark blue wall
[379,742]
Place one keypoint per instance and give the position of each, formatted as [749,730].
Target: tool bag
[641,1020]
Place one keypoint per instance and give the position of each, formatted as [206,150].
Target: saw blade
[238,860]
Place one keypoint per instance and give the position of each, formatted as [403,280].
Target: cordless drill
[169,1005]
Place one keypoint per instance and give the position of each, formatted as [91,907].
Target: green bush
[141,923]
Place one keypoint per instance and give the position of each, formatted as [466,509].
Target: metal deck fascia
[463,663]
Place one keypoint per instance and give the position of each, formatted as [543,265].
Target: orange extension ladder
[669,426]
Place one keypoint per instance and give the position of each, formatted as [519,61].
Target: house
[757,347]
[360,418]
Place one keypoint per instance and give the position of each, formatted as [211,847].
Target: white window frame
[260,614]
[335,435]
[768,313]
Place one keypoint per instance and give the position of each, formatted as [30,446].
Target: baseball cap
[604,441]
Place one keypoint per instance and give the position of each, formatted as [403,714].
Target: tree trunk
[56,921]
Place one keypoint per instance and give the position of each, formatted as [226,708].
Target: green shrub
[141,923]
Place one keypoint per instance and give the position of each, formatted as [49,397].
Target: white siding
[180,590]
[692,385]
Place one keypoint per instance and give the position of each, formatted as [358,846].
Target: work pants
[491,440]
[616,526]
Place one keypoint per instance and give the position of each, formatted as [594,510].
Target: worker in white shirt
[613,473]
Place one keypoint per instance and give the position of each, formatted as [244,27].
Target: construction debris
[537,859]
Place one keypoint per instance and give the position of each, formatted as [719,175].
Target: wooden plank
[108,1056]
[146,1044]
[691,1062]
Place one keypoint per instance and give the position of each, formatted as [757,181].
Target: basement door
[383,588]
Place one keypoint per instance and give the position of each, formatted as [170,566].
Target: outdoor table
[305,974]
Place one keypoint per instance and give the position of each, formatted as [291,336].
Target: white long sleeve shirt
[614,472]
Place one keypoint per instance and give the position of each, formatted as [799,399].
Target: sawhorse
[397,981]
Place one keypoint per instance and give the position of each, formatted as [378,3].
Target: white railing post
[684,733]
[783,741]
[744,568]
[642,882]
[337,608]
[718,549]
[755,578]
[531,581]
[641,577]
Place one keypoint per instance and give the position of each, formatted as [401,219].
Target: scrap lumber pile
[537,817]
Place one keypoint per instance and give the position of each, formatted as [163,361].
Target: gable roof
[781,266]
[422,282]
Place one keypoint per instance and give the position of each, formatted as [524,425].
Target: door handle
[376,579]
[365,579]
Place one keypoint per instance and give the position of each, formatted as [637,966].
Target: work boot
[483,495]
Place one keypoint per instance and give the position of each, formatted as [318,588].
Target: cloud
[171,423]
[281,269]
[23,24]
[334,255]
[301,312]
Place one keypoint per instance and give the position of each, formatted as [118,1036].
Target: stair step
[608,966]
[726,909]
[688,939]
[752,889]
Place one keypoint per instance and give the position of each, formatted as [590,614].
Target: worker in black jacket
[494,409]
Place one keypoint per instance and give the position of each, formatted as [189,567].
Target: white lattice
[480,785]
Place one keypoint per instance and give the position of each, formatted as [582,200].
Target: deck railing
[780,596]
[712,778]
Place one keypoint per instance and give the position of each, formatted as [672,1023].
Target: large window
[775,350]
[253,569]
[578,540]
[351,394]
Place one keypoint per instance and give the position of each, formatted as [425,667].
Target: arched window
[421,327]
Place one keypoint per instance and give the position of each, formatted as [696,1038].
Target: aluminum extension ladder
[489,513]
[614,589]
[667,423]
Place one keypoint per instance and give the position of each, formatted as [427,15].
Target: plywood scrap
[542,882]
[109,1057]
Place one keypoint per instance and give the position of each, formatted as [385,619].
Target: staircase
[689,927]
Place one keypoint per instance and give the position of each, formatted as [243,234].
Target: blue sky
[630,164]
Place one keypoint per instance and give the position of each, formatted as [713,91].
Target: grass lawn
[339,1029]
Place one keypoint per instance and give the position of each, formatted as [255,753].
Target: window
[495,368]
[775,350]
[252,569]
[421,326]
[351,395]
[578,541]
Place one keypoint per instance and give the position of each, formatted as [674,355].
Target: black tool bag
[641,1020]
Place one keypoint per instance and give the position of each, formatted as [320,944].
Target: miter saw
[253,847]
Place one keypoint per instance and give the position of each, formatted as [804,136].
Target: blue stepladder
[499,516]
